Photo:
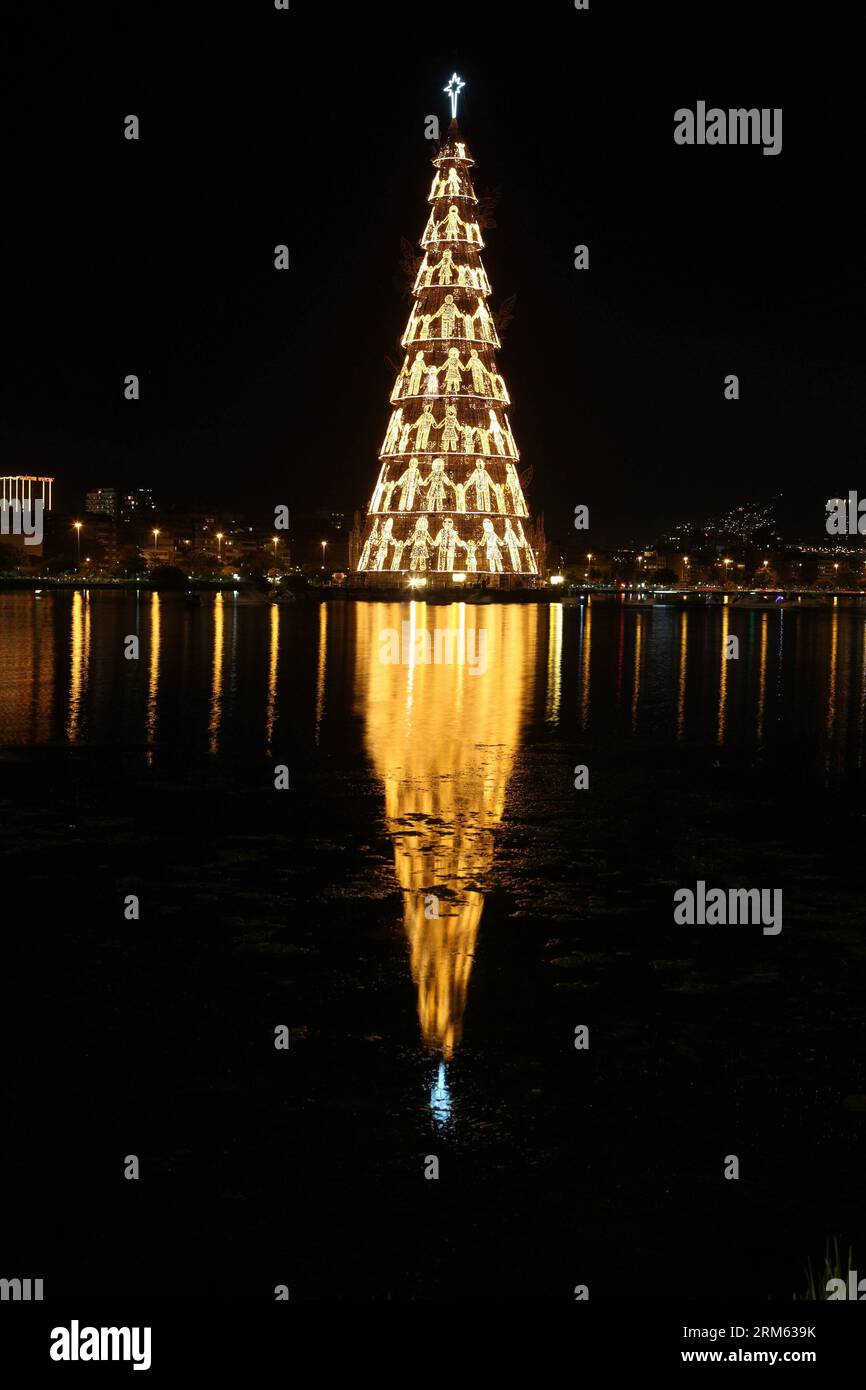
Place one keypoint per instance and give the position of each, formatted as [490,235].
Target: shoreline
[762,600]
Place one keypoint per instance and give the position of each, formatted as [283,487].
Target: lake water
[432,909]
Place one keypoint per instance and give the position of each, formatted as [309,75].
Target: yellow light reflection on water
[839,691]
[79,649]
[831,683]
[585,660]
[443,738]
[273,666]
[638,652]
[153,674]
[681,680]
[723,677]
[27,668]
[554,663]
[861,713]
[762,679]
[217,671]
[322,668]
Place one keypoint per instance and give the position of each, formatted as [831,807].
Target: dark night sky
[261,127]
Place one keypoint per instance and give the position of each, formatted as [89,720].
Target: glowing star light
[454,88]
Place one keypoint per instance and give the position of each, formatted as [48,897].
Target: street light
[155,534]
[276,543]
[589,562]
[219,545]
[78,525]
[323,545]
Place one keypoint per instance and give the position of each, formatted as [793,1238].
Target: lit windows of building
[102,501]
[137,503]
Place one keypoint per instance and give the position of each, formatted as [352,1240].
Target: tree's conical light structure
[448,500]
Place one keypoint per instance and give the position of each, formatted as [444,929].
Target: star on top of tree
[454,88]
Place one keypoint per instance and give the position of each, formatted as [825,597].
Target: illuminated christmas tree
[449,500]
